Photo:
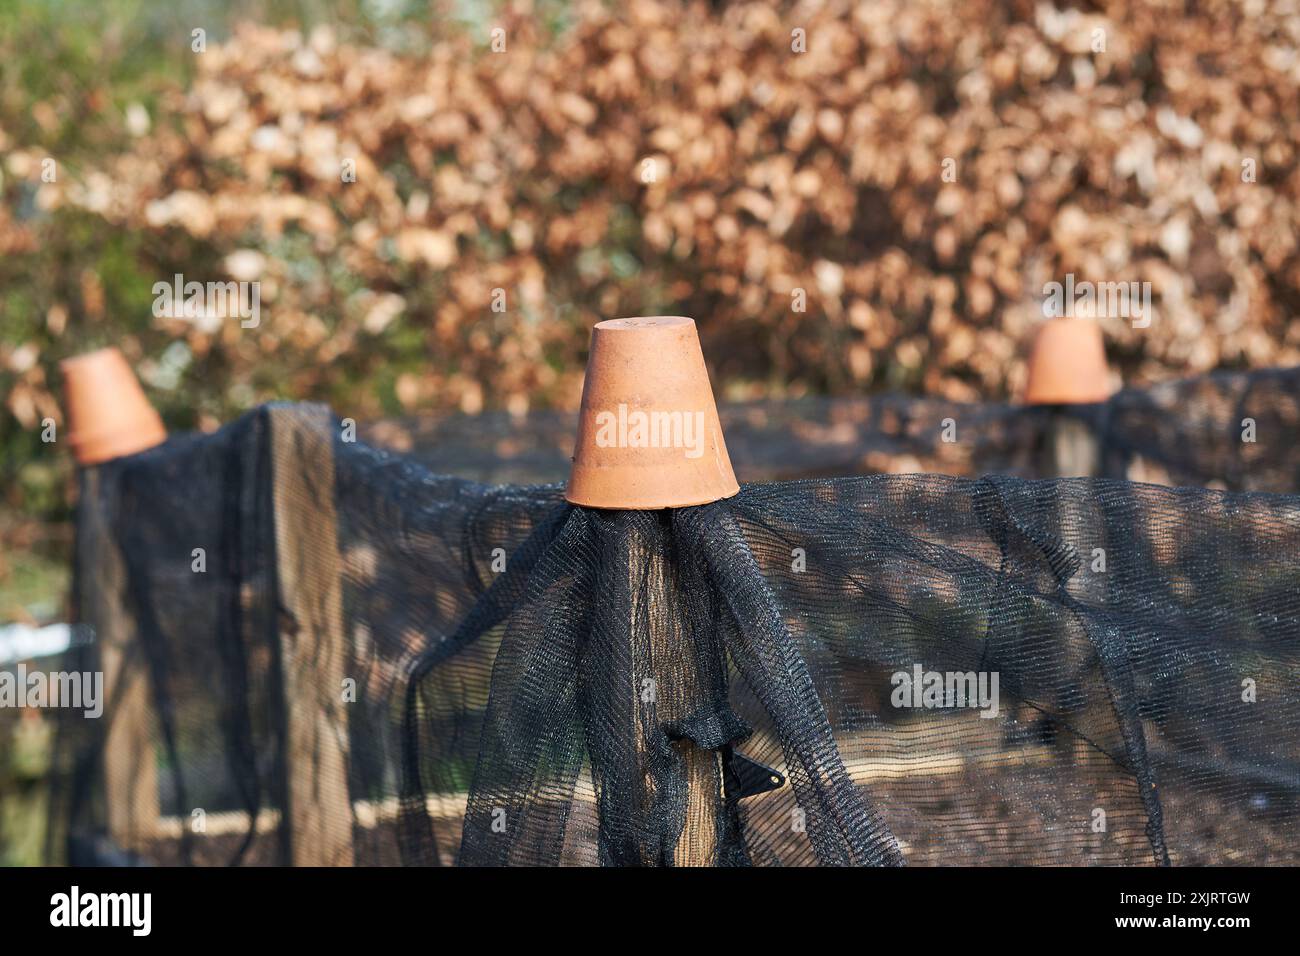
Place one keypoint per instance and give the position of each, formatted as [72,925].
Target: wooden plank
[130,769]
[312,640]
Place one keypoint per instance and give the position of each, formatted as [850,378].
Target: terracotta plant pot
[108,414]
[1067,364]
[648,432]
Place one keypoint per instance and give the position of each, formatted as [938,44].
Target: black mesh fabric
[1232,430]
[200,644]
[1188,432]
[515,680]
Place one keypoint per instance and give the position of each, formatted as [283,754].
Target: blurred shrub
[660,156]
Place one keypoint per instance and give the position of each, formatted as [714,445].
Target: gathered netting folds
[382,665]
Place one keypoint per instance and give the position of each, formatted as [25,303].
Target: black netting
[378,664]
[1230,430]
[188,650]
[1188,432]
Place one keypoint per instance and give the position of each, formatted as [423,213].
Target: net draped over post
[510,679]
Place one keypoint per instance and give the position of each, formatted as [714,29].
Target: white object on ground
[22,642]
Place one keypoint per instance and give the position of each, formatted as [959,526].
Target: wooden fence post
[109,417]
[130,765]
[1067,366]
[312,641]
[1072,450]
[652,368]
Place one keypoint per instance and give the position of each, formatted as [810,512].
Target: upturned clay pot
[1067,364]
[108,414]
[648,431]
